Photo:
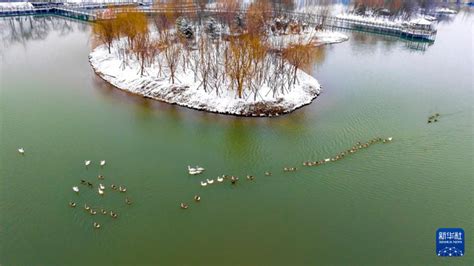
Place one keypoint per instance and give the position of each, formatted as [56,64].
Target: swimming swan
[21,151]
[102,163]
[203,183]
[87,162]
[210,181]
[75,189]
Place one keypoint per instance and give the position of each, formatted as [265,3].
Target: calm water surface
[380,206]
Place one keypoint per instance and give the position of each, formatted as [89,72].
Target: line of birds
[101,187]
[222,178]
[337,157]
[350,151]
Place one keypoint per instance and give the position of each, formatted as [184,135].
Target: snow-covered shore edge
[274,110]
[186,92]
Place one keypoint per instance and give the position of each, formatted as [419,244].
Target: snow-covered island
[215,74]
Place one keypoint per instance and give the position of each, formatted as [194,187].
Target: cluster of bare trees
[227,52]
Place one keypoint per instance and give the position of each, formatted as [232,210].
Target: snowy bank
[187,90]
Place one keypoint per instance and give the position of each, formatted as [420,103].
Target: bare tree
[105,31]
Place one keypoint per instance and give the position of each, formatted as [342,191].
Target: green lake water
[381,206]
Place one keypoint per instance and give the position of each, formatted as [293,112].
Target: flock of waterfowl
[100,191]
[101,188]
[433,118]
[197,170]
[233,179]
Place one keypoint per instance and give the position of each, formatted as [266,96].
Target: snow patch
[186,91]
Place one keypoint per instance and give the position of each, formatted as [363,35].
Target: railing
[310,18]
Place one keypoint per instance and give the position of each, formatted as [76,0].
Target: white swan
[21,151]
[101,192]
[220,179]
[87,162]
[102,163]
[210,181]
[327,160]
[203,183]
[390,139]
[75,189]
[101,187]
[200,169]
[191,169]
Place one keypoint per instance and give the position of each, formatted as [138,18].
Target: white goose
[102,163]
[203,183]
[87,162]
[210,181]
[75,189]
[21,151]
[220,179]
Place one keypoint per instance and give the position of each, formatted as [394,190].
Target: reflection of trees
[15,30]
[369,42]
